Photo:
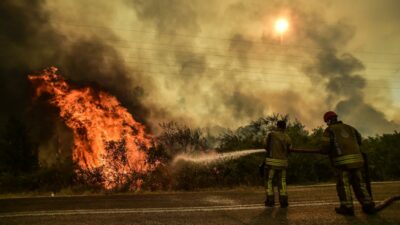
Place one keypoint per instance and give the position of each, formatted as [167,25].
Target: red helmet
[329,115]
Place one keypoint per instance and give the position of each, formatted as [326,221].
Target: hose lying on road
[386,203]
[378,207]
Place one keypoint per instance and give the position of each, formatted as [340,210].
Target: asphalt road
[308,205]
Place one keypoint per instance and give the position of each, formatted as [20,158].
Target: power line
[252,58]
[218,54]
[285,81]
[267,71]
[231,56]
[248,58]
[234,70]
[219,66]
[191,63]
[187,47]
[68,23]
[235,57]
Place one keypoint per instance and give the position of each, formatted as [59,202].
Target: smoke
[239,103]
[206,63]
[31,42]
[341,74]
[28,43]
[365,117]
[171,16]
[199,80]
[337,76]
[241,47]
[97,63]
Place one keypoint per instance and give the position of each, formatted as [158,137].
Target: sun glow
[281,25]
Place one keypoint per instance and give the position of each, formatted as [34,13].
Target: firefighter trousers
[280,176]
[355,179]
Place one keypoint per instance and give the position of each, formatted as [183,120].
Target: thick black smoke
[320,46]
[30,43]
[341,73]
[208,63]
[94,62]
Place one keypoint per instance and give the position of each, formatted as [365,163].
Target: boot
[270,202]
[369,208]
[283,200]
[345,210]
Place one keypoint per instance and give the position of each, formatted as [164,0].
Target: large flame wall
[107,139]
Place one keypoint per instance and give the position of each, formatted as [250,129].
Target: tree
[176,138]
[383,155]
[18,154]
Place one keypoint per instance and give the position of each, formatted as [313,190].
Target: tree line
[20,170]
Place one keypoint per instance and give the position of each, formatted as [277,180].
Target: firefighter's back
[346,152]
[279,145]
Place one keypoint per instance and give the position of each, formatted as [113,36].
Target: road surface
[308,205]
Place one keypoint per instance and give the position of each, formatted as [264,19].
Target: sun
[281,25]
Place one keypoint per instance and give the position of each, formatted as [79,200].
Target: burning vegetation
[108,142]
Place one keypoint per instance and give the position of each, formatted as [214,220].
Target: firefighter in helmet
[277,147]
[342,143]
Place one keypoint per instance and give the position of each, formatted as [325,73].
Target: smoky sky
[204,63]
[341,73]
[337,71]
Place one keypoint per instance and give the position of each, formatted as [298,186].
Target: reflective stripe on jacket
[276,162]
[342,143]
[348,159]
[277,145]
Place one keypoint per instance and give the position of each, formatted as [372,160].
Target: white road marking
[334,184]
[291,187]
[159,210]
[154,210]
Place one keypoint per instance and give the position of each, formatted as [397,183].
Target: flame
[107,139]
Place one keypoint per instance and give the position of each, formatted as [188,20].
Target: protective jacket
[277,145]
[342,143]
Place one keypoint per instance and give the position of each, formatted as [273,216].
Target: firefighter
[342,143]
[277,148]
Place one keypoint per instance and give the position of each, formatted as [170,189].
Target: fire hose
[382,205]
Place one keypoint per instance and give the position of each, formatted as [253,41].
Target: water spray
[213,156]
